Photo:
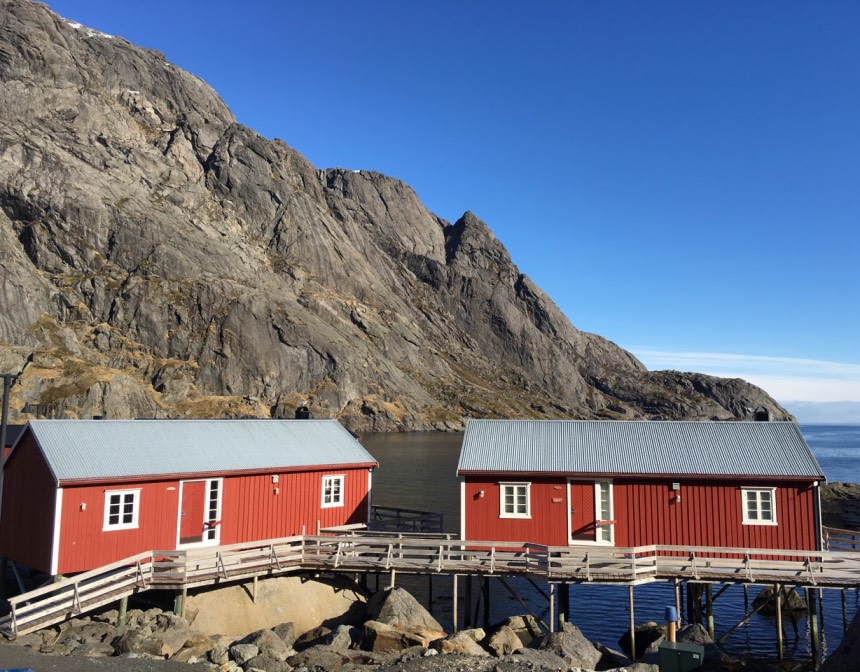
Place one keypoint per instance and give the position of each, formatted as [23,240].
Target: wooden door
[192,512]
[582,515]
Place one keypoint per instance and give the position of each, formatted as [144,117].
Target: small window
[515,500]
[332,491]
[121,509]
[758,506]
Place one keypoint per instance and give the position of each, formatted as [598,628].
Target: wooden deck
[367,552]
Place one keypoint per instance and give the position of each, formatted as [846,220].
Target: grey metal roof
[637,447]
[115,449]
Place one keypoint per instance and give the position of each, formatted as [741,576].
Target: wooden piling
[486,602]
[633,623]
[844,612]
[391,578]
[179,602]
[678,602]
[552,607]
[709,606]
[123,611]
[812,615]
[777,591]
[467,608]
[456,606]
[564,604]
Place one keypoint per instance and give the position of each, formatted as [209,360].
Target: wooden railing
[363,552]
[395,519]
[841,540]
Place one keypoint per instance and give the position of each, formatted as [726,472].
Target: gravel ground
[12,656]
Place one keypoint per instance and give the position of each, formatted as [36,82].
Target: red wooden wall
[27,524]
[708,514]
[253,508]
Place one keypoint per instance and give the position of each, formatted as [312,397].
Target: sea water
[418,471]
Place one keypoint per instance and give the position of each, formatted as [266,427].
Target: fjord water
[418,471]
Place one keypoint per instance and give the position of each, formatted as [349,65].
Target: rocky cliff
[160,259]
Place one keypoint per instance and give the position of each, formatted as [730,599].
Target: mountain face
[161,260]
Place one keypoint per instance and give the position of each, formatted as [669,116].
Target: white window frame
[745,492]
[135,513]
[504,488]
[599,487]
[336,497]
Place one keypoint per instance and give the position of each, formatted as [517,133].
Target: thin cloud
[784,378]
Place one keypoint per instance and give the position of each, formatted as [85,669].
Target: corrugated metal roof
[637,447]
[114,449]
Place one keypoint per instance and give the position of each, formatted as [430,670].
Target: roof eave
[146,478]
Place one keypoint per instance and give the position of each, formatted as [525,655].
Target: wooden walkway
[368,552]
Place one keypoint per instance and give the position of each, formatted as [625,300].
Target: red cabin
[637,483]
[79,494]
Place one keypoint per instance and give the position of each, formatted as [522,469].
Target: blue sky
[682,178]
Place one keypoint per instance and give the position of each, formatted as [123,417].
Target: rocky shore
[399,635]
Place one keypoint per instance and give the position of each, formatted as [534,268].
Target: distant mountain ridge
[161,260]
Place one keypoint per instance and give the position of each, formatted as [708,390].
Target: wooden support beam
[564,603]
[456,606]
[467,608]
[777,591]
[486,602]
[523,604]
[633,621]
[743,621]
[552,607]
[123,611]
[709,609]
[678,601]
[844,612]
[812,611]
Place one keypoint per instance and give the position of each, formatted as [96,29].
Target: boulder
[196,646]
[219,655]
[287,632]
[503,641]
[313,637]
[134,641]
[464,642]
[846,656]
[381,637]
[610,658]
[396,607]
[269,644]
[345,637]
[525,627]
[266,664]
[242,653]
[569,644]
[321,657]
[646,635]
[791,601]
[94,650]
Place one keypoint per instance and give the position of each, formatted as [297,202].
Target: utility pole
[7,383]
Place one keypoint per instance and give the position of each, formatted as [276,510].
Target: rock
[610,658]
[219,655]
[334,286]
[345,637]
[646,635]
[135,641]
[536,658]
[196,646]
[242,653]
[847,654]
[791,601]
[266,664]
[381,637]
[569,644]
[524,626]
[503,641]
[396,607]
[287,633]
[269,644]
[95,650]
[318,657]
[313,637]
[464,642]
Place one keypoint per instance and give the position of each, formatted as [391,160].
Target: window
[121,509]
[332,491]
[758,506]
[603,508]
[214,500]
[515,500]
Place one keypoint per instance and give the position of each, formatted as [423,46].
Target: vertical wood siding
[252,511]
[709,513]
[29,496]
[546,525]
[84,544]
